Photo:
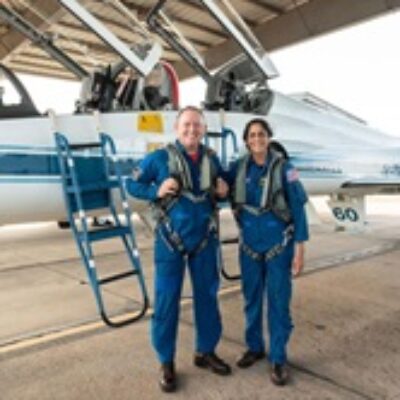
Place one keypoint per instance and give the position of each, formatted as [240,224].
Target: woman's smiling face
[257,139]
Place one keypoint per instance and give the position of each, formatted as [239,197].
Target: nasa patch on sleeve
[292,175]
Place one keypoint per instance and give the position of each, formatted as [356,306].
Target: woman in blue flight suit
[268,201]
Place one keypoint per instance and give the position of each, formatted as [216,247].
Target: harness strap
[194,198]
[207,172]
[240,182]
[276,162]
[170,237]
[272,197]
[174,241]
[274,251]
[257,211]
[178,166]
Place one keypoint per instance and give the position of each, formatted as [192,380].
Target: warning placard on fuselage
[150,122]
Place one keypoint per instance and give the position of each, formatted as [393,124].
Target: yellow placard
[151,146]
[150,122]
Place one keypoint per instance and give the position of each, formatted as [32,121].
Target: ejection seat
[118,88]
[161,89]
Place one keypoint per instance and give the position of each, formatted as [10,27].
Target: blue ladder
[87,185]
[224,135]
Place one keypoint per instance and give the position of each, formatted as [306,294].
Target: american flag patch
[292,175]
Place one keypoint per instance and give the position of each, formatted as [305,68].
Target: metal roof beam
[41,60]
[142,11]
[243,36]
[309,20]
[166,48]
[266,5]
[195,5]
[35,57]
[184,22]
[143,63]
[40,39]
[88,60]
[92,50]
[77,30]
[191,24]
[32,68]
[12,41]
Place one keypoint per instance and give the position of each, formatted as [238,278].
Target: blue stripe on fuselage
[38,163]
[47,164]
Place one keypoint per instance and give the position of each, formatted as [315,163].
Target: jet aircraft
[136,100]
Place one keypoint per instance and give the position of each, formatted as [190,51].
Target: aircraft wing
[374,185]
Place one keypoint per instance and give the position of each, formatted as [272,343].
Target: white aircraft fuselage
[334,153]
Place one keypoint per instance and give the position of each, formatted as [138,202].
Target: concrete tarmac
[346,311]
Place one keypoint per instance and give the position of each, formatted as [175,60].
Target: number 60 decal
[348,213]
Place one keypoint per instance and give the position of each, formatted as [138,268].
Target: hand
[222,188]
[169,187]
[298,259]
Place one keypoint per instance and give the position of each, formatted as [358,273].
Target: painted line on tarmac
[62,333]
[62,261]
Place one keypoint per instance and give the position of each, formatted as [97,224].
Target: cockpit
[141,80]
[239,85]
[121,88]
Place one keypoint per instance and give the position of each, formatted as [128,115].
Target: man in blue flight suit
[181,181]
[268,201]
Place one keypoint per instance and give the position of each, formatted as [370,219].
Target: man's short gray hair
[191,108]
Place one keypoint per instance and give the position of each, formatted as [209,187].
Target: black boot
[249,358]
[279,374]
[168,377]
[213,362]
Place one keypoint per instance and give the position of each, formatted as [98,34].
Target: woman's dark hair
[259,121]
[278,147]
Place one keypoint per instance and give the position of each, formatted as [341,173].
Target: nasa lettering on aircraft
[135,103]
[393,169]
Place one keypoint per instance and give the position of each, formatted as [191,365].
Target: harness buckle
[287,235]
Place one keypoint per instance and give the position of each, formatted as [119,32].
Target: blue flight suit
[191,221]
[273,278]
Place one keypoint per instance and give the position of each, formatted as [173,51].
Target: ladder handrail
[85,251]
[107,140]
[84,237]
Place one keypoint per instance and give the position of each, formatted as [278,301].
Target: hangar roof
[277,23]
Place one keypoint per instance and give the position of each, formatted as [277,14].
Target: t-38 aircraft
[135,102]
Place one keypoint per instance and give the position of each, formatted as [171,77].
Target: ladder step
[94,186]
[215,134]
[117,277]
[230,240]
[87,180]
[108,233]
[83,146]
